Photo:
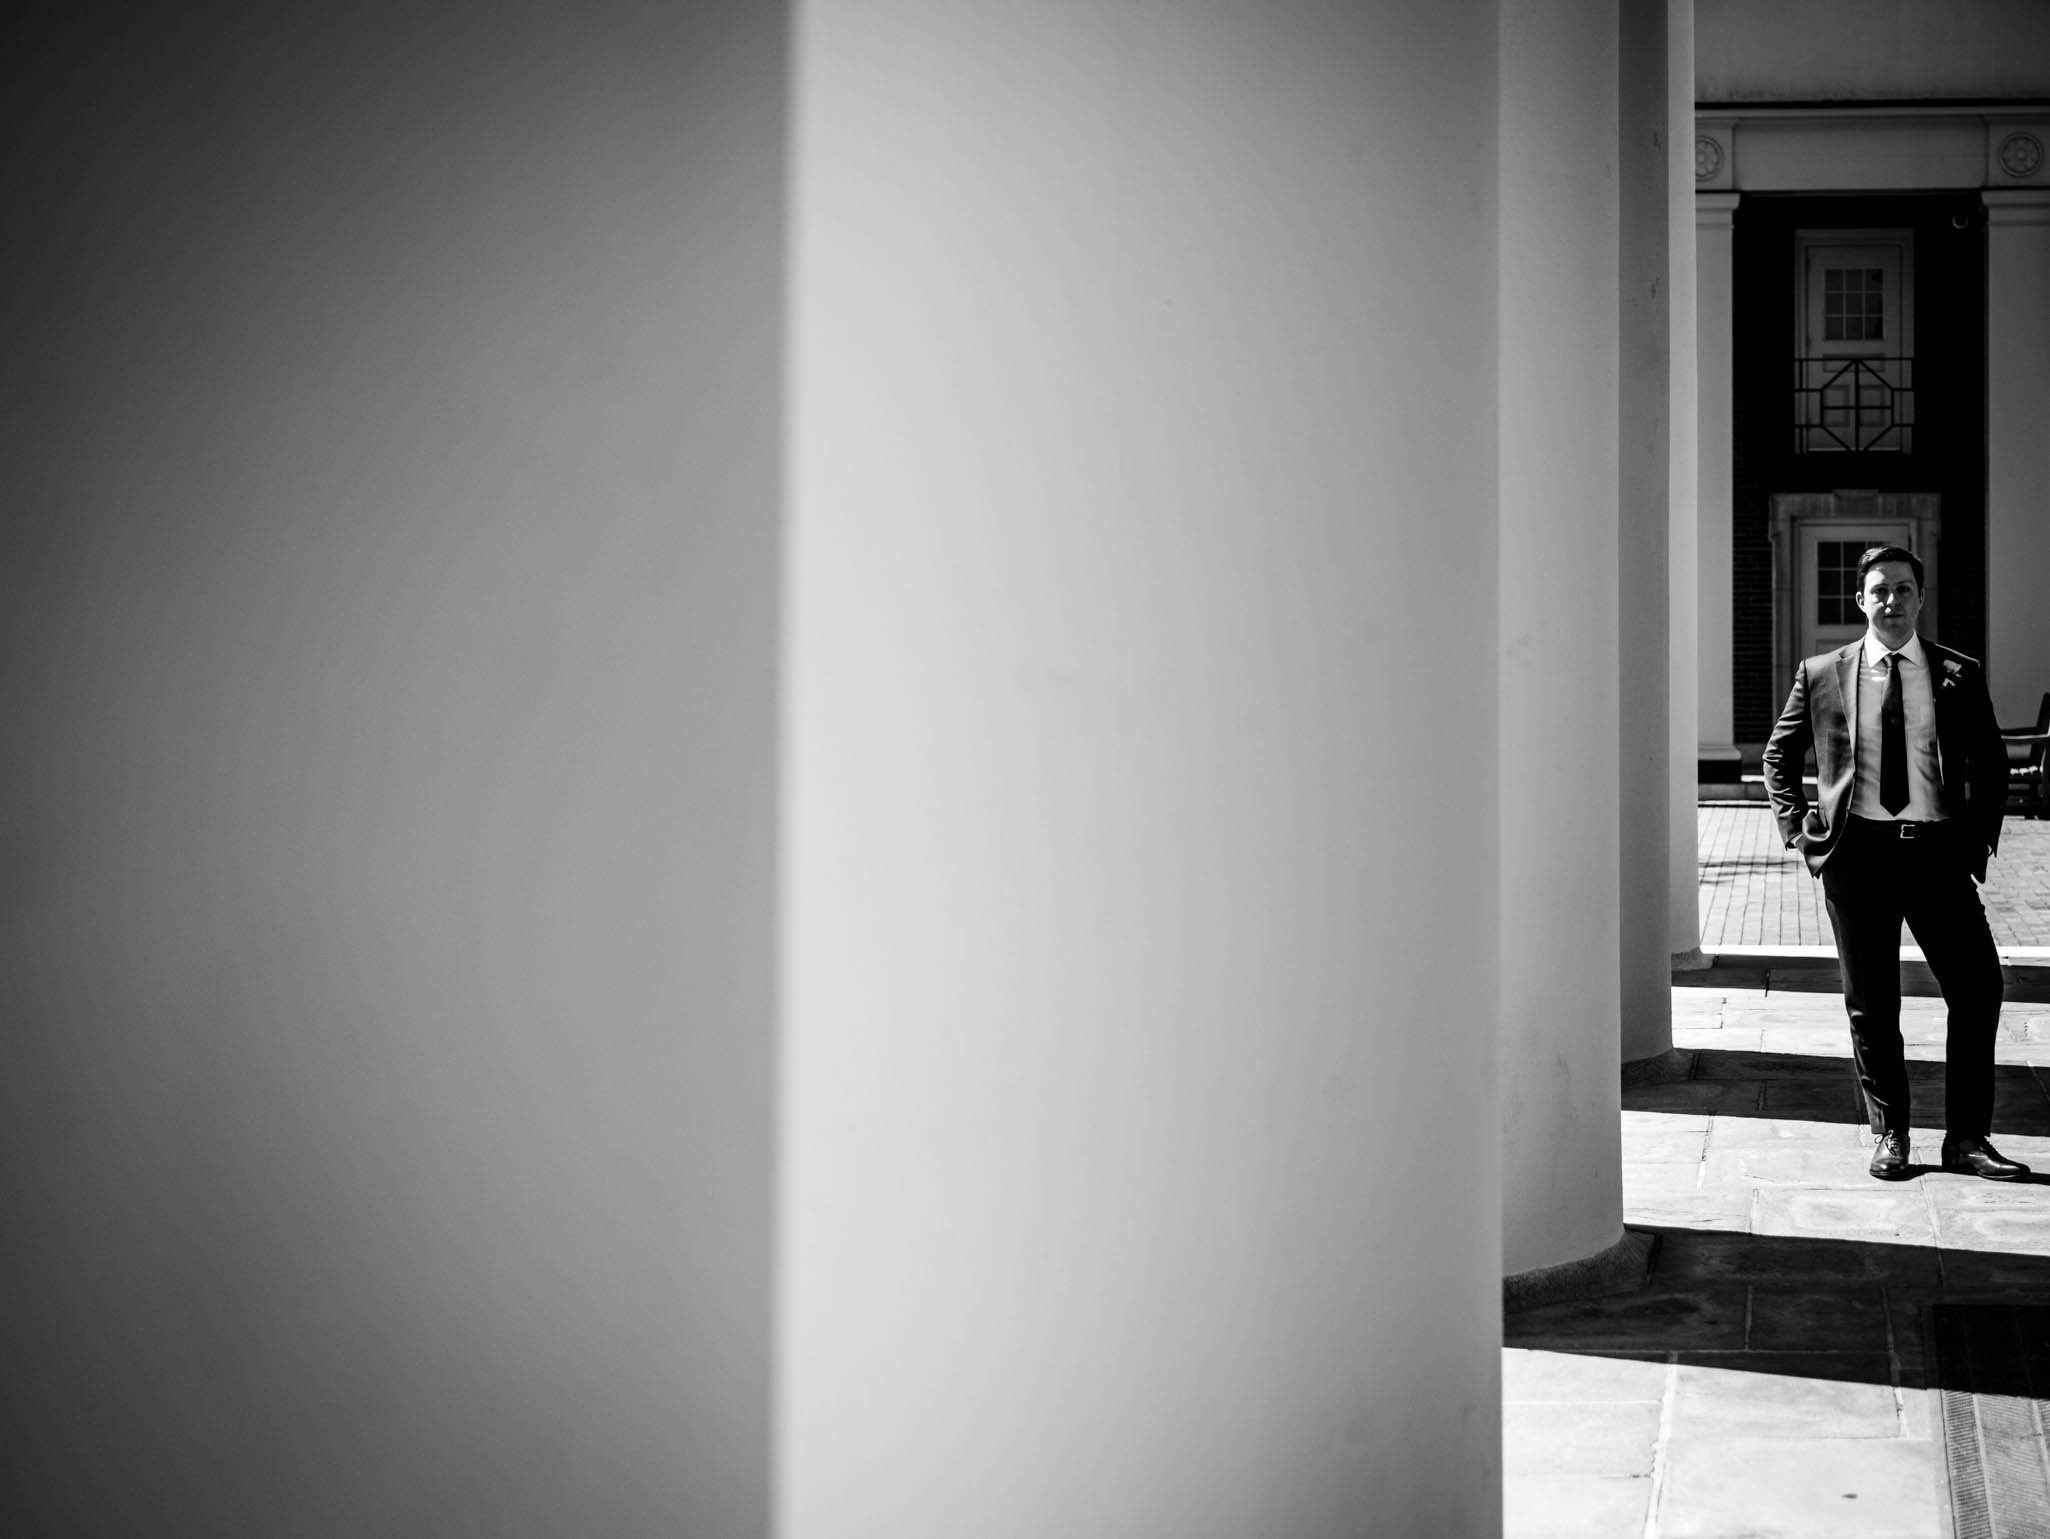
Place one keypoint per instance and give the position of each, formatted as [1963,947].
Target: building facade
[1874,202]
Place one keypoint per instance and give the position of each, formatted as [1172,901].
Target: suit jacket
[1971,758]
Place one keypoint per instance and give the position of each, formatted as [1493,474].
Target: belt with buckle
[1904,828]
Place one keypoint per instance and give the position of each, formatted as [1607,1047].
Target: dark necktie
[1893,742]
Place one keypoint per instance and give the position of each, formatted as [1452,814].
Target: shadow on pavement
[1852,1311]
[1845,1295]
[1799,1086]
[2024,983]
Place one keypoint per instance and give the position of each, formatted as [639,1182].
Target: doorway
[1817,539]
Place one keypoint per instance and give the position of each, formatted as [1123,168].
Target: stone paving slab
[1583,1438]
[1803,1395]
[1676,1144]
[1774,1132]
[2009,1231]
[1651,1180]
[1666,1319]
[1880,1214]
[1698,1096]
[1727,1064]
[1575,1507]
[1985,1274]
[1786,1164]
[1819,1039]
[1800,1488]
[1690,1258]
[1766,1008]
[1735,1039]
[1532,1377]
[1832,1100]
[1717,1211]
[1831,1319]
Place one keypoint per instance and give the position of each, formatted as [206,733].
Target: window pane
[1836,579]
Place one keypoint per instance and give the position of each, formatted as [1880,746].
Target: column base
[1674,1063]
[1619,1268]
[1693,960]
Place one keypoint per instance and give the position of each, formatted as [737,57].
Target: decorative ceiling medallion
[2020,154]
[1708,158]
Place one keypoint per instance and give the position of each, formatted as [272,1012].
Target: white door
[1855,375]
[1827,578]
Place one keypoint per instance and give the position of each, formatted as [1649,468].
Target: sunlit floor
[1783,1370]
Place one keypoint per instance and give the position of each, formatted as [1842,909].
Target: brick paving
[1754,892]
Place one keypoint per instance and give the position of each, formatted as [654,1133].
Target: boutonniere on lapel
[1953,670]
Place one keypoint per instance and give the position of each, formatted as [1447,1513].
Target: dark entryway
[1859,379]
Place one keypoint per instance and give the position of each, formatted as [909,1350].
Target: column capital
[2017,205]
[1714,210]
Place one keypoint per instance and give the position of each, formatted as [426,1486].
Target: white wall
[1140,976]
[389,609]
[1562,1191]
[1829,50]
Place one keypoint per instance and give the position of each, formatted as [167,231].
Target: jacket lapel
[1847,686]
[1941,665]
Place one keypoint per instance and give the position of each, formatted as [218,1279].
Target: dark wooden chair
[2028,787]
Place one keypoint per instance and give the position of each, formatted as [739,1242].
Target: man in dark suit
[1911,778]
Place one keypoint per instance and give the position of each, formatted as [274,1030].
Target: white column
[1643,800]
[1683,554]
[1562,1192]
[2018,449]
[390,591]
[1139,960]
[1716,446]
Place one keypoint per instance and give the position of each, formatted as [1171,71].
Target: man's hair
[1879,555]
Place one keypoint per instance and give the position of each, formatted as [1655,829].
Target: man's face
[1891,599]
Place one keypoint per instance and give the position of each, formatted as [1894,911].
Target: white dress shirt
[1918,706]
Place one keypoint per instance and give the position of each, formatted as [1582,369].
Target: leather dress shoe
[1977,1157]
[1890,1159]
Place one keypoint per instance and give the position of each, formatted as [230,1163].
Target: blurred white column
[1562,1191]
[1683,555]
[1139,959]
[1644,487]
[1716,447]
[389,601]
[2018,449]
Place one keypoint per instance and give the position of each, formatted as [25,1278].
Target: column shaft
[1139,949]
[1715,344]
[1683,553]
[390,578]
[1643,490]
[1562,1194]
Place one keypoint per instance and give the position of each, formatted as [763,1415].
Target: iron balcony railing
[1860,405]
